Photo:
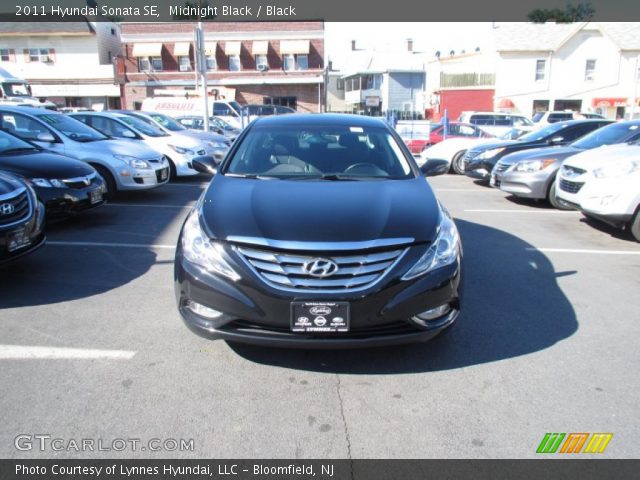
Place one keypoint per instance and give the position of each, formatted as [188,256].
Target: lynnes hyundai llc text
[319,231]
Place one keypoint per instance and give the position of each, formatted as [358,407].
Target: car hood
[44,165]
[201,136]
[446,148]
[495,144]
[320,210]
[134,148]
[595,157]
[559,153]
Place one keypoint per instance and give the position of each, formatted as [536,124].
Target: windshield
[72,128]
[608,135]
[9,143]
[16,89]
[513,134]
[543,132]
[218,122]
[142,127]
[315,151]
[167,122]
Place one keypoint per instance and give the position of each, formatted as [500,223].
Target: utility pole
[203,71]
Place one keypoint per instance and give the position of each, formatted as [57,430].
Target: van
[496,123]
[15,91]
[229,111]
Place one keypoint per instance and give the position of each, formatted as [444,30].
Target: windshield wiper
[252,176]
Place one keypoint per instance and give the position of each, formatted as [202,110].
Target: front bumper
[143,179]
[33,228]
[70,201]
[523,184]
[480,170]
[255,313]
[612,200]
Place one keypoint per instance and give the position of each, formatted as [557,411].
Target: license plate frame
[320,317]
[17,239]
[95,196]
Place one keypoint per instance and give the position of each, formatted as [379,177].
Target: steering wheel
[364,167]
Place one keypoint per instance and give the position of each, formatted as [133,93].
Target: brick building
[277,63]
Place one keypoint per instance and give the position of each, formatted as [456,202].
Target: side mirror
[556,140]
[128,134]
[204,164]
[432,168]
[45,137]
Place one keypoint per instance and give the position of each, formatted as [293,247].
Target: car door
[33,130]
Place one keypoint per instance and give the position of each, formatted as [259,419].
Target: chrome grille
[285,270]
[500,167]
[80,182]
[569,186]
[568,171]
[14,207]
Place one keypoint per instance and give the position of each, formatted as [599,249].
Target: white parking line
[150,205]
[22,352]
[589,251]
[488,210]
[465,190]
[111,245]
[199,185]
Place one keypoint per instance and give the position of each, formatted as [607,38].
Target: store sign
[372,101]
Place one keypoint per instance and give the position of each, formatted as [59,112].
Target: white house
[69,63]
[587,66]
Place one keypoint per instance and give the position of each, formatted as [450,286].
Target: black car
[21,219]
[319,231]
[480,160]
[64,185]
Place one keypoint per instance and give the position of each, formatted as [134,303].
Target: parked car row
[592,165]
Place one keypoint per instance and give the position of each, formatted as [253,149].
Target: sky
[427,37]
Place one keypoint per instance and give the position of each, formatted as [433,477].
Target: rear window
[559,117]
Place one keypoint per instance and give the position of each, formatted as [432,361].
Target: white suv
[496,123]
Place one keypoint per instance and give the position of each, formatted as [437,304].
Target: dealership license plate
[95,196]
[164,173]
[320,317]
[492,181]
[17,239]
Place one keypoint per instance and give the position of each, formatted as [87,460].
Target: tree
[579,12]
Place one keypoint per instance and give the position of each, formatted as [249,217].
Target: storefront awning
[260,48]
[181,49]
[232,48]
[146,49]
[609,102]
[289,47]
[505,103]
[210,48]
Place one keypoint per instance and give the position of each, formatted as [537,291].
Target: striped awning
[210,48]
[260,48]
[288,47]
[146,49]
[232,48]
[181,49]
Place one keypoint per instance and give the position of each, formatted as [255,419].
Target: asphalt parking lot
[92,346]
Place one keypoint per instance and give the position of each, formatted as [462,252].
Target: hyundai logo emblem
[87,181]
[320,267]
[7,209]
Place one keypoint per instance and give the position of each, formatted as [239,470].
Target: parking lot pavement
[92,347]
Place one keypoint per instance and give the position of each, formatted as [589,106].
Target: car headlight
[48,183]
[533,165]
[617,168]
[199,249]
[490,153]
[132,161]
[444,250]
[182,150]
[217,145]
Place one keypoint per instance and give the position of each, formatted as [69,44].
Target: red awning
[609,102]
[505,103]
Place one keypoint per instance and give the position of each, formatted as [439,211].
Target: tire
[552,197]
[634,225]
[457,165]
[173,174]
[109,181]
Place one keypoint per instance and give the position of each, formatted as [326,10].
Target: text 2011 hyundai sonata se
[319,231]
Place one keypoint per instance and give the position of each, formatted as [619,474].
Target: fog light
[425,317]
[203,311]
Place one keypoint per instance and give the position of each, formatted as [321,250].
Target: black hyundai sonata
[64,185]
[319,231]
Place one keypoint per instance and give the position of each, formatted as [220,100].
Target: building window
[150,64]
[5,55]
[540,69]
[234,63]
[113,31]
[302,62]
[289,62]
[340,84]
[109,56]
[212,64]
[589,70]
[291,102]
[38,55]
[262,60]
[185,63]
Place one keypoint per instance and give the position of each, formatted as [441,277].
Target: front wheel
[457,164]
[634,226]
[553,200]
[108,180]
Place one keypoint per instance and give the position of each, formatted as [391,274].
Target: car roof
[337,119]
[108,114]
[29,110]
